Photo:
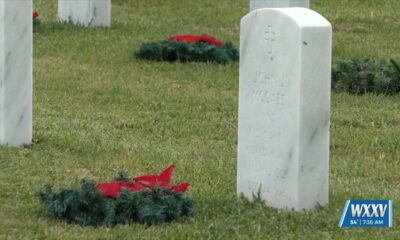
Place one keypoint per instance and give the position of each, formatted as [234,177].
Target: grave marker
[95,13]
[256,4]
[284,107]
[15,72]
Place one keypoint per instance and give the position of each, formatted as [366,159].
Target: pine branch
[395,65]
[361,76]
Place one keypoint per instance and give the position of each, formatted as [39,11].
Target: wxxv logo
[367,213]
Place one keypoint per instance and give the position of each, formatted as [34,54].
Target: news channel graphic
[367,213]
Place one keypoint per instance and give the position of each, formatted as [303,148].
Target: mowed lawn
[98,110]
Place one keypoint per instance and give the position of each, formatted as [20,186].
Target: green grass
[98,110]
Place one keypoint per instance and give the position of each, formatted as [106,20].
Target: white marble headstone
[256,4]
[95,13]
[284,107]
[15,72]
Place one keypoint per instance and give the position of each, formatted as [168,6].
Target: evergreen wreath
[148,199]
[361,76]
[189,48]
[35,20]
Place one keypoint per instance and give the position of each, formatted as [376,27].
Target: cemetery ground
[98,110]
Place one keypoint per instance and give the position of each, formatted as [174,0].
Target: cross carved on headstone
[270,39]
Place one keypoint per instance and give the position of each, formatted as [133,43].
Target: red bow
[197,38]
[35,15]
[146,182]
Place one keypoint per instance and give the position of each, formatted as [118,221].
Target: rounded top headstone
[303,17]
[257,4]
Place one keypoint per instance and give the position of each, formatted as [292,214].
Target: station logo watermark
[367,213]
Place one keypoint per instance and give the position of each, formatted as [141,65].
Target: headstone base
[94,13]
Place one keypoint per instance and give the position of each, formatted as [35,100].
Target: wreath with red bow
[35,20]
[189,48]
[149,199]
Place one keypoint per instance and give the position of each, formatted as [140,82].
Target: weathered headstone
[284,107]
[15,72]
[95,13]
[256,4]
